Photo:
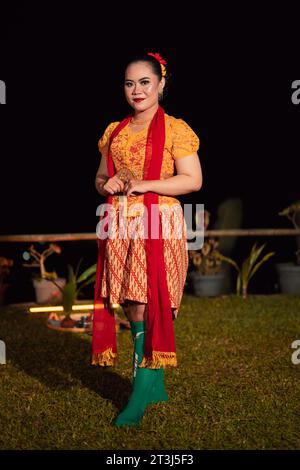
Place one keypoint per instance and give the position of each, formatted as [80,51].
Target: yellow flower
[163,70]
[206,249]
[197,260]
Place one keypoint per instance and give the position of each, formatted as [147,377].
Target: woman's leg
[134,311]
[148,384]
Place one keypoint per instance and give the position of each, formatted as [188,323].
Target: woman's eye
[143,82]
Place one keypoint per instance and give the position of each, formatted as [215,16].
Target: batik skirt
[125,272]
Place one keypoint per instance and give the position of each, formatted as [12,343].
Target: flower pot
[208,285]
[47,292]
[289,278]
[68,322]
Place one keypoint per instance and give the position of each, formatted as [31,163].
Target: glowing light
[46,309]
[26,255]
[59,308]
[83,307]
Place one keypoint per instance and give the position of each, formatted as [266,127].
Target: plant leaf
[89,281]
[255,253]
[228,260]
[71,275]
[69,297]
[265,258]
[87,273]
[249,263]
[238,284]
[77,268]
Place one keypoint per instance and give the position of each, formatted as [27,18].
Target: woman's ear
[162,83]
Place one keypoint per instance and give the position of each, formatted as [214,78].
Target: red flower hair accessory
[162,62]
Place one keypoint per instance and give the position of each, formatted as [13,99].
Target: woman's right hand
[113,185]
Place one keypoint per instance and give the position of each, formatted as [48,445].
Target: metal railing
[55,237]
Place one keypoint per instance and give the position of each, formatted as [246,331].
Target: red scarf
[159,348]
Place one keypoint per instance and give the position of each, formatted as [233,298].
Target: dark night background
[63,67]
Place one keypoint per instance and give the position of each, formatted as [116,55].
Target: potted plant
[248,269]
[5,265]
[289,272]
[207,276]
[71,290]
[45,290]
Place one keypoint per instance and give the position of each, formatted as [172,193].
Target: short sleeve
[184,140]
[104,141]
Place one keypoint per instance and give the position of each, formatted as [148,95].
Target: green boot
[143,382]
[158,392]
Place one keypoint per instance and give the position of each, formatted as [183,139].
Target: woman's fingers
[108,188]
[114,185]
[118,184]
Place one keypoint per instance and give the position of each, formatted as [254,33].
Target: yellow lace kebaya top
[128,150]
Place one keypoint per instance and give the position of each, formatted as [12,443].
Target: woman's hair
[155,66]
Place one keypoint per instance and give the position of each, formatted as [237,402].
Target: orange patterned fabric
[125,275]
[128,149]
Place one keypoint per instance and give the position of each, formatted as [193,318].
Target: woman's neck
[144,116]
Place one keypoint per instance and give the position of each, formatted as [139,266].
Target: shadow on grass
[60,360]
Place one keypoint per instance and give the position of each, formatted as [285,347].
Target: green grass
[235,386]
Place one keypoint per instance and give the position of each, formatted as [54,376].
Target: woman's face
[141,83]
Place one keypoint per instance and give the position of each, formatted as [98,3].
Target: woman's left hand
[136,186]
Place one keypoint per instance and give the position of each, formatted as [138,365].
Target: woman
[145,268]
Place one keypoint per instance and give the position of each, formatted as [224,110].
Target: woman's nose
[136,89]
